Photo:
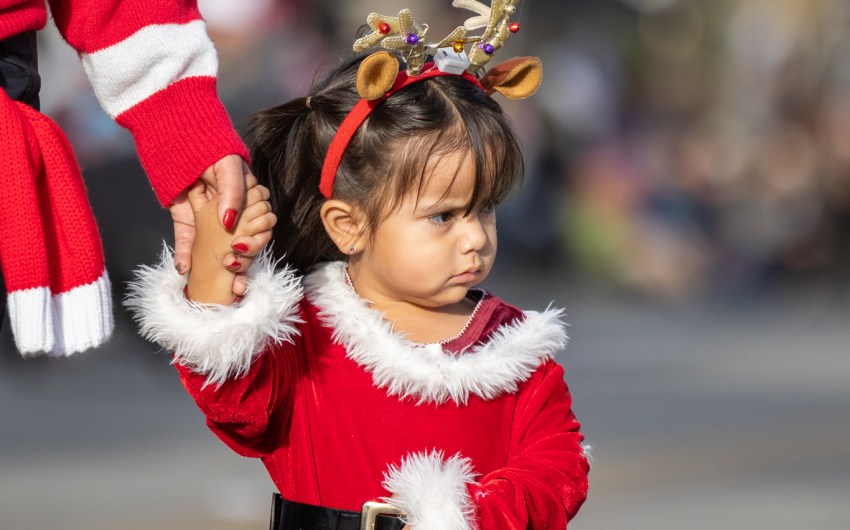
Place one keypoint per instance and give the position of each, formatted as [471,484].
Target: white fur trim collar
[425,372]
[220,341]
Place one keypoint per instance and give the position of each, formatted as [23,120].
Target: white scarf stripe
[61,323]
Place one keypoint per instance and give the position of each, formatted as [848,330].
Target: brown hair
[385,160]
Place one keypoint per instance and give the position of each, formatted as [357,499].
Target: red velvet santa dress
[474,433]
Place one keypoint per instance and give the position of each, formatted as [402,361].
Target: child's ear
[345,224]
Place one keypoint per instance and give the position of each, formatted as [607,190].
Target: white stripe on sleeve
[147,61]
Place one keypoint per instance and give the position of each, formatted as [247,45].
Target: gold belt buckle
[371,511]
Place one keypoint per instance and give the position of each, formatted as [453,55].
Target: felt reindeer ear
[376,75]
[515,78]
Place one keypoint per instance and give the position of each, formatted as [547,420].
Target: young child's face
[427,252]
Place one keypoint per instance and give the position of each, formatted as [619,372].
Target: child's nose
[475,236]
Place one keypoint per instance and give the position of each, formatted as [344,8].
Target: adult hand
[225,178]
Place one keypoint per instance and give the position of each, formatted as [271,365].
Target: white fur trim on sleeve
[220,341]
[586,452]
[431,490]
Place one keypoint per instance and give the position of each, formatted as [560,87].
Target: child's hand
[214,263]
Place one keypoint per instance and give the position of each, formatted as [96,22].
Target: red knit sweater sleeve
[17,16]
[545,479]
[153,69]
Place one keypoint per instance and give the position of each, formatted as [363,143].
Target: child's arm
[544,481]
[234,359]
[541,485]
[214,265]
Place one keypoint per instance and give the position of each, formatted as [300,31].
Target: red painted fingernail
[240,247]
[229,219]
[233,266]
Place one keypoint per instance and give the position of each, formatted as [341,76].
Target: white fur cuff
[220,341]
[431,490]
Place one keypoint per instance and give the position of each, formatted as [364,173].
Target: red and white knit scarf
[59,298]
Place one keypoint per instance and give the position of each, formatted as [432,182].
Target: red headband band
[358,115]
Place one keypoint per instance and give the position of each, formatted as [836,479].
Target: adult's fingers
[228,178]
[236,263]
[251,246]
[184,232]
[184,238]
[245,250]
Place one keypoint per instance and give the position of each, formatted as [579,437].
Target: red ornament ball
[514,27]
[384,28]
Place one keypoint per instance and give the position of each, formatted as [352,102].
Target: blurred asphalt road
[716,415]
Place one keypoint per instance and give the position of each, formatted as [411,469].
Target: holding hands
[228,177]
[218,257]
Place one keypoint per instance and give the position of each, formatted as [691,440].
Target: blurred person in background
[59,293]
[702,147]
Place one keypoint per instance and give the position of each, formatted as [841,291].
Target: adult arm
[153,69]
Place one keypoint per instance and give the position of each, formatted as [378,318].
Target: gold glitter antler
[402,33]
[497,28]
[397,33]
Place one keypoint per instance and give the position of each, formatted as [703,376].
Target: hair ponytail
[288,145]
[284,158]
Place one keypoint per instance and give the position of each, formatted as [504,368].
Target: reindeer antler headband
[379,77]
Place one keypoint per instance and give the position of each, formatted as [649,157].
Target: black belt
[288,515]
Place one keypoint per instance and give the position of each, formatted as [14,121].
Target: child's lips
[467,276]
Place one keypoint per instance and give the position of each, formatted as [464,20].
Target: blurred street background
[687,201]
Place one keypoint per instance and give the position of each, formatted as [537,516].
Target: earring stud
[352,249]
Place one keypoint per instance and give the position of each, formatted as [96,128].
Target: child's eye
[441,218]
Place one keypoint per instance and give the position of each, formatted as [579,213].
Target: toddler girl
[370,368]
